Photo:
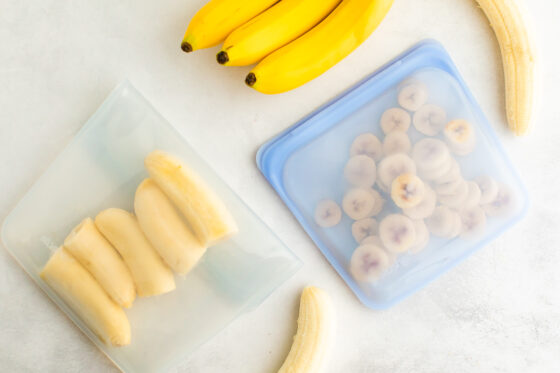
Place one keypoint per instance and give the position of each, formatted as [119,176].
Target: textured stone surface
[497,312]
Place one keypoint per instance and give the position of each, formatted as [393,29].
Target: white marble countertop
[499,311]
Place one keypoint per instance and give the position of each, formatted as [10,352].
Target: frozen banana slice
[165,229]
[460,136]
[367,144]
[422,236]
[443,222]
[397,233]
[378,204]
[407,191]
[413,96]
[488,188]
[358,203]
[392,166]
[368,263]
[204,210]
[364,228]
[150,274]
[360,171]
[77,287]
[503,204]
[473,197]
[327,213]
[425,208]
[99,257]
[396,142]
[315,333]
[395,119]
[473,222]
[430,154]
[429,119]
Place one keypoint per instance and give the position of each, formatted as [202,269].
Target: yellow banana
[77,287]
[150,274]
[215,20]
[272,29]
[202,208]
[518,57]
[97,255]
[165,229]
[315,333]
[320,48]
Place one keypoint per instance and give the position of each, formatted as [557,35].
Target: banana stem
[251,79]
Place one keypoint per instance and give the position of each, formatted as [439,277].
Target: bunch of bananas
[293,41]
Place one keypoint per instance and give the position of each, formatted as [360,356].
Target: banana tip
[186,47]
[251,79]
[222,58]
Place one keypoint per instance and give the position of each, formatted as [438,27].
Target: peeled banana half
[165,229]
[518,56]
[99,257]
[77,287]
[315,333]
[205,212]
[215,20]
[150,274]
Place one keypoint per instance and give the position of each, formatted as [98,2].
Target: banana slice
[425,208]
[97,255]
[397,233]
[360,171]
[372,240]
[396,142]
[395,119]
[422,236]
[488,188]
[407,191]
[315,333]
[394,165]
[358,203]
[442,222]
[503,204]
[363,228]
[473,222]
[367,144]
[449,188]
[150,274]
[79,290]
[376,241]
[460,136]
[413,96]
[204,210]
[436,173]
[456,199]
[473,197]
[378,204]
[429,119]
[327,213]
[165,229]
[454,173]
[430,154]
[368,263]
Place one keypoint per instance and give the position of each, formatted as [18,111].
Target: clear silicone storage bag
[478,194]
[101,168]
